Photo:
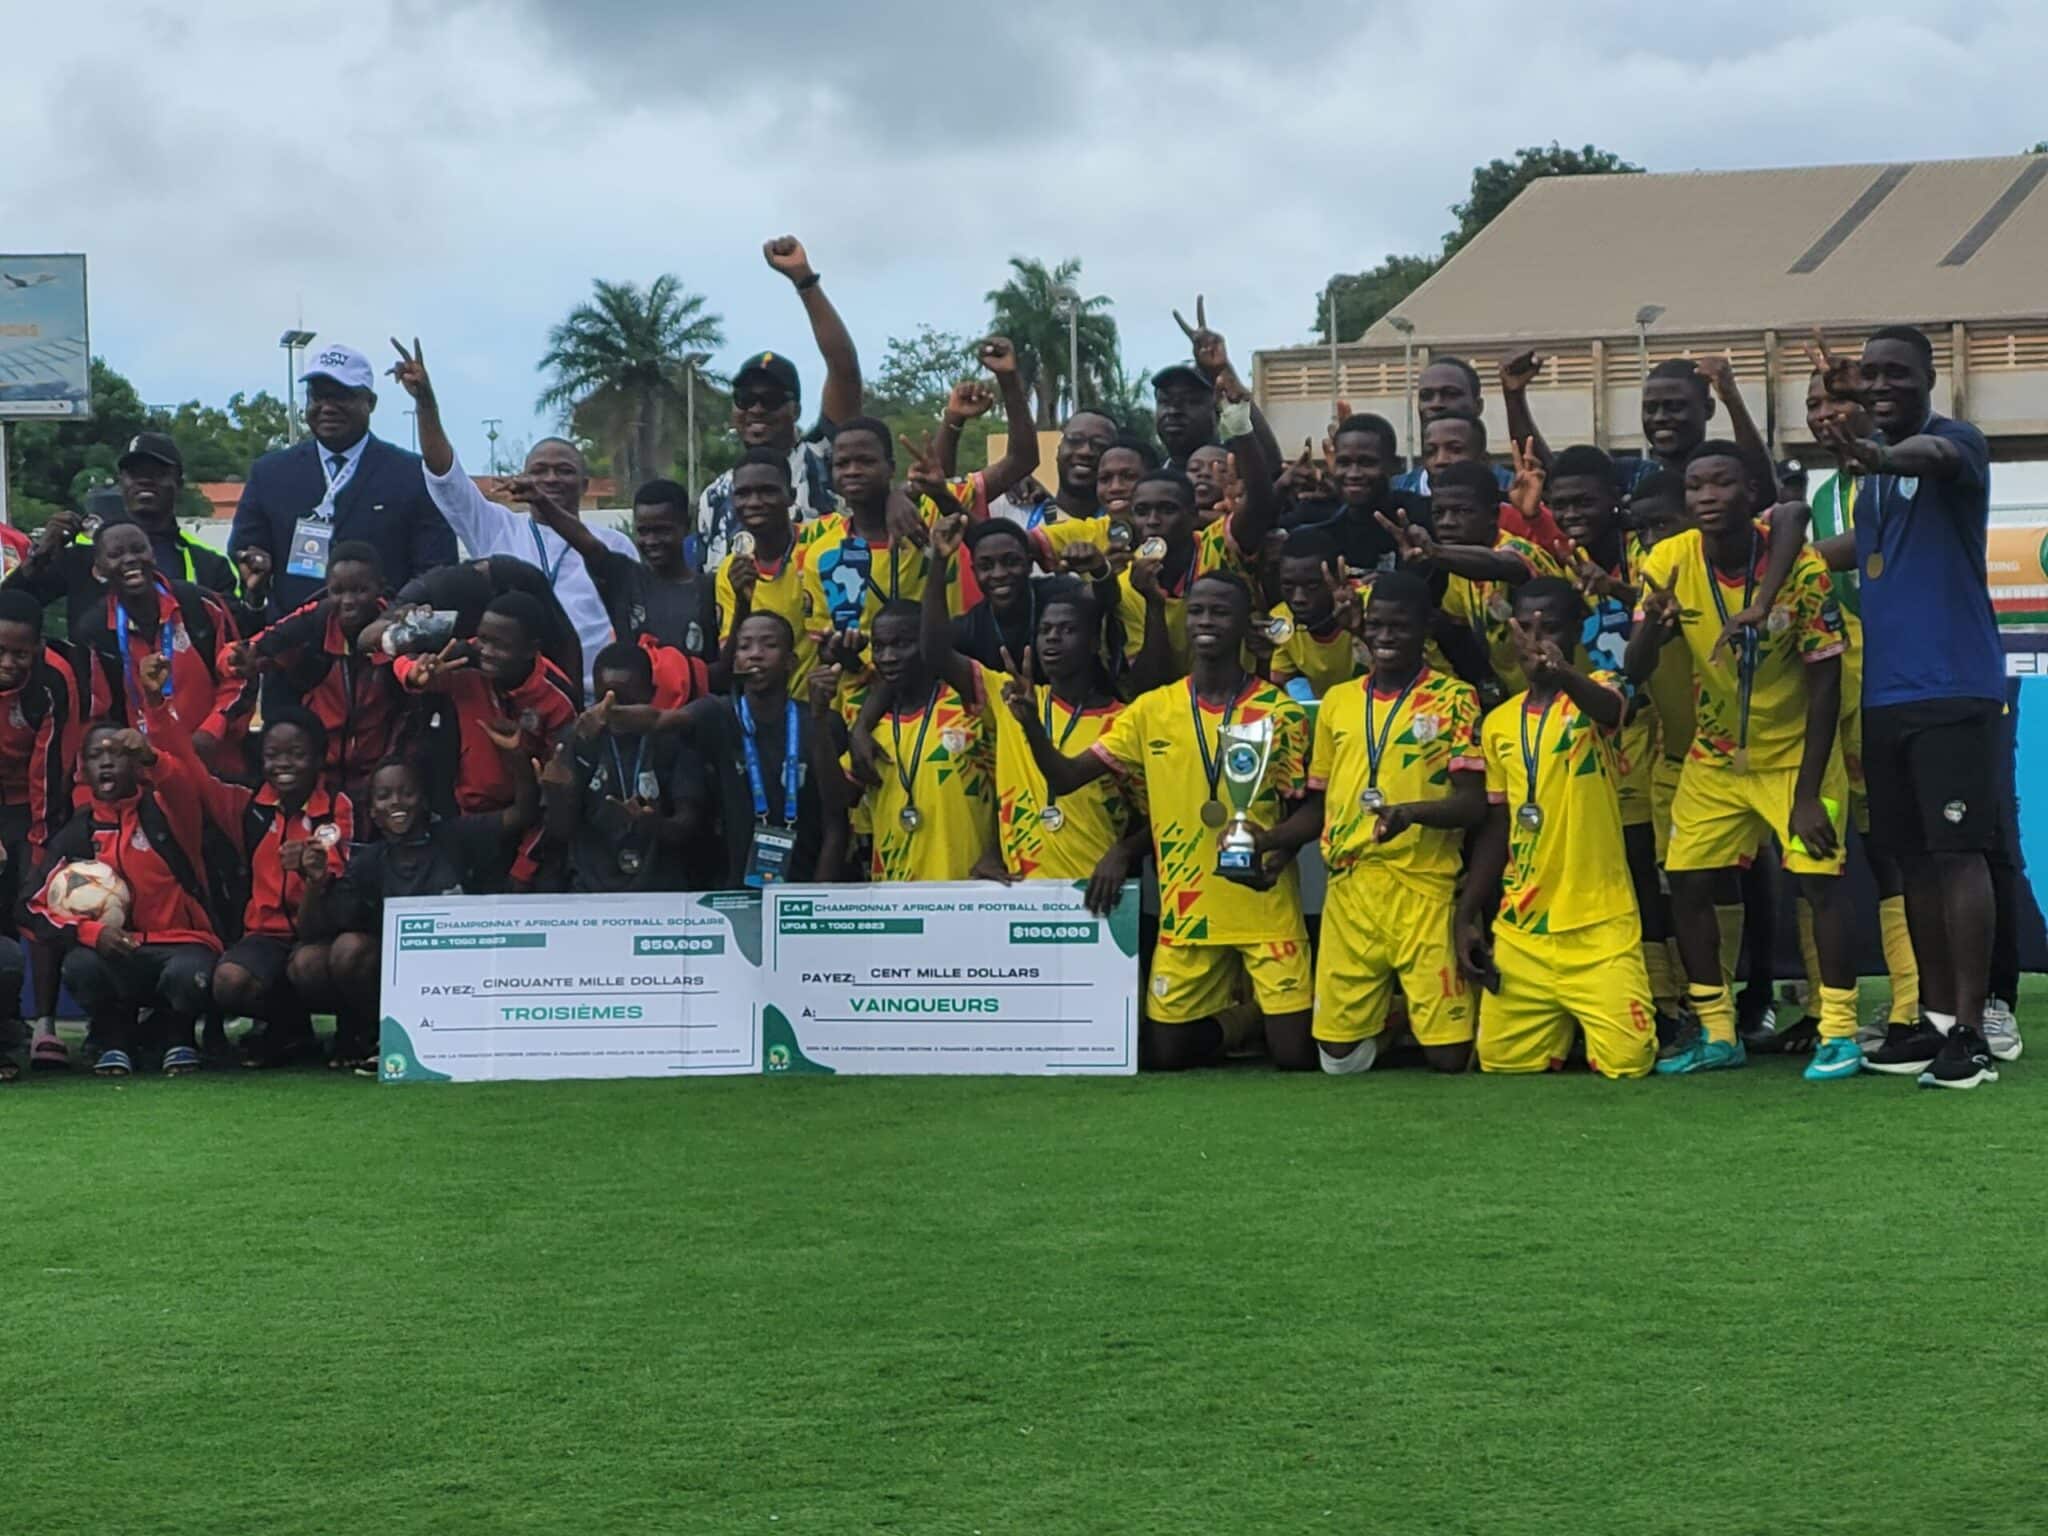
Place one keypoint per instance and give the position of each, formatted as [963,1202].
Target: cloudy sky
[463,168]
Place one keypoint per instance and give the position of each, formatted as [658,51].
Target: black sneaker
[1800,1039]
[1908,1050]
[1675,1032]
[1964,1061]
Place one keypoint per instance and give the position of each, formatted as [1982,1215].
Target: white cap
[345,365]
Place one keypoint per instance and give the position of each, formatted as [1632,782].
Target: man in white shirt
[556,467]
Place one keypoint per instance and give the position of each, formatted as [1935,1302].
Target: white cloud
[464,172]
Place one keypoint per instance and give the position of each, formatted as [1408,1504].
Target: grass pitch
[1227,1302]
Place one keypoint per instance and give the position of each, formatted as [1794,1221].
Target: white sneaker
[2001,1029]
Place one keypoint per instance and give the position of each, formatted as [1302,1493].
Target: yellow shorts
[1592,977]
[1635,761]
[1664,772]
[1721,817]
[1377,929]
[1191,982]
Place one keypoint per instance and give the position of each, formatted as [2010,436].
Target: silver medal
[1052,818]
[742,543]
[1372,798]
[1151,549]
[910,817]
[1280,629]
[327,834]
[647,786]
[629,861]
[1530,815]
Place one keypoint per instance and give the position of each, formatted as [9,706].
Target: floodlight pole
[1066,304]
[690,423]
[293,342]
[1646,317]
[1406,327]
[491,434]
[1336,389]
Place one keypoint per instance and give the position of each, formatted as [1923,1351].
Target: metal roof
[1719,250]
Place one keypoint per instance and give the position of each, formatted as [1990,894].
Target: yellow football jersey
[1804,626]
[943,750]
[780,590]
[1669,687]
[1153,743]
[1486,606]
[1322,662]
[1572,871]
[1070,842]
[1215,550]
[1422,736]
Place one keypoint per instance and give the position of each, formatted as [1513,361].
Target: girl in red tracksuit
[290,829]
[142,816]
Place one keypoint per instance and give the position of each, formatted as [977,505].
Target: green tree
[918,372]
[1498,182]
[220,443]
[53,464]
[620,361]
[1026,311]
[1363,297]
[1127,399]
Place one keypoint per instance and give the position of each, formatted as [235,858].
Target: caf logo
[394,1066]
[1242,761]
[778,1058]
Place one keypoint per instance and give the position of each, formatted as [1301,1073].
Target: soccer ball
[88,891]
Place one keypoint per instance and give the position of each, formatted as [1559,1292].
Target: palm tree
[621,365]
[1027,310]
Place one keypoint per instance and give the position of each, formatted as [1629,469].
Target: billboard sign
[44,344]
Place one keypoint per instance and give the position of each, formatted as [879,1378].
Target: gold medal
[1151,549]
[1280,630]
[1213,814]
[1874,566]
[742,543]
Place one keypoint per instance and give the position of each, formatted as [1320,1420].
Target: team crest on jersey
[181,641]
[1428,728]
[954,739]
[693,638]
[139,841]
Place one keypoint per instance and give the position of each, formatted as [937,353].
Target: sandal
[49,1054]
[113,1063]
[181,1061]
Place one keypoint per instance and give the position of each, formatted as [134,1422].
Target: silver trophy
[1245,746]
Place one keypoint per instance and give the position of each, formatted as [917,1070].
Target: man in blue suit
[343,484]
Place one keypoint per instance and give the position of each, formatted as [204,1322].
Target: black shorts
[1930,770]
[263,958]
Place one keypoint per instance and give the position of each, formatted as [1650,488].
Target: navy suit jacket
[385,503]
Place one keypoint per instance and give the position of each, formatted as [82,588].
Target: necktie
[336,463]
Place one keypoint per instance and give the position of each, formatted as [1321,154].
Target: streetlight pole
[491,436]
[1646,317]
[1336,384]
[1406,327]
[1066,303]
[690,420]
[293,342]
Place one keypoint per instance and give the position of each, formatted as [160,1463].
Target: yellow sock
[1899,960]
[1837,1012]
[1729,921]
[1663,982]
[1809,954]
[1716,1010]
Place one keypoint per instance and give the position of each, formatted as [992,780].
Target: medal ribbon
[1212,762]
[906,776]
[1073,719]
[1376,740]
[1531,753]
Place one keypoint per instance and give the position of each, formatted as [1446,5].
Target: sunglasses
[759,399]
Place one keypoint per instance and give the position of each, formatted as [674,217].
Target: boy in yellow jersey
[1040,835]
[1584,496]
[764,572]
[1319,616]
[1566,944]
[1764,756]
[1214,933]
[1484,565]
[933,811]
[1176,551]
[1394,779]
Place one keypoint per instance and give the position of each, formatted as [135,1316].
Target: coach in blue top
[1933,688]
[343,484]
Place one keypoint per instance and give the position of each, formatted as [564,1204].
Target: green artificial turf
[1225,1302]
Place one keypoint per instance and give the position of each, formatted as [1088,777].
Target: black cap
[1186,371]
[776,367]
[153,445]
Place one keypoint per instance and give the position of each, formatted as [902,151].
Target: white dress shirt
[486,528]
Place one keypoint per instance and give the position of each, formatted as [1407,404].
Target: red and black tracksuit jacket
[678,676]
[257,827]
[205,695]
[41,726]
[355,696]
[152,840]
[543,705]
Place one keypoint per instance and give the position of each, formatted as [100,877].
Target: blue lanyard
[628,788]
[789,762]
[541,552]
[128,662]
